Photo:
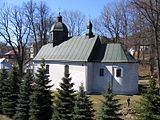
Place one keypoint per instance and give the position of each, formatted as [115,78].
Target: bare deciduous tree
[15,31]
[44,22]
[30,14]
[75,21]
[139,31]
[114,21]
[40,19]
[150,9]
[98,27]
[125,20]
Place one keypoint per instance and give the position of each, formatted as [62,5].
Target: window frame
[101,72]
[47,69]
[66,67]
[119,72]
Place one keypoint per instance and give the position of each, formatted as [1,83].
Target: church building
[91,61]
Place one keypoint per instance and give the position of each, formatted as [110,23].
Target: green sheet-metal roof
[115,53]
[75,49]
[85,49]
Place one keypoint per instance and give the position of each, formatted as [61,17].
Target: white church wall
[89,75]
[127,83]
[100,81]
[56,72]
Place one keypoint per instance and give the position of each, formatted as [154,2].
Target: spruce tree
[149,106]
[66,98]
[22,107]
[56,102]
[3,77]
[41,99]
[110,107]
[10,93]
[83,109]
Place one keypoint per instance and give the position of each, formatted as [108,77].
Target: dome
[59,25]
[59,32]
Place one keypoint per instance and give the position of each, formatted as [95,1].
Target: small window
[119,72]
[47,69]
[101,72]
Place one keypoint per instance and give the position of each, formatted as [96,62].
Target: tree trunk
[157,57]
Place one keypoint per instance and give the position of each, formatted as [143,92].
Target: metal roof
[75,49]
[59,26]
[115,53]
[82,48]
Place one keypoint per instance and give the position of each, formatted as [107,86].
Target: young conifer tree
[66,97]
[3,77]
[10,93]
[83,109]
[55,115]
[149,106]
[110,107]
[41,99]
[22,107]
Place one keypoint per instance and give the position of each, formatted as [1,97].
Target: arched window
[66,67]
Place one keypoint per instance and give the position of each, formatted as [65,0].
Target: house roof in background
[2,60]
[11,52]
[83,48]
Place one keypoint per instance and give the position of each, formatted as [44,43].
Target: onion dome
[59,25]
[59,32]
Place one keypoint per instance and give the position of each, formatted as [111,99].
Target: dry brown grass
[144,71]
[97,101]
[2,117]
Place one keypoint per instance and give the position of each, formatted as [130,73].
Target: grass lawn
[2,117]
[97,101]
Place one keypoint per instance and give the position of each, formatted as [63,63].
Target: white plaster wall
[88,74]
[56,72]
[100,83]
[89,77]
[127,84]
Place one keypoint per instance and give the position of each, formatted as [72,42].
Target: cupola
[59,32]
[89,27]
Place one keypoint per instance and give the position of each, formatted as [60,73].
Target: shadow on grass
[146,77]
